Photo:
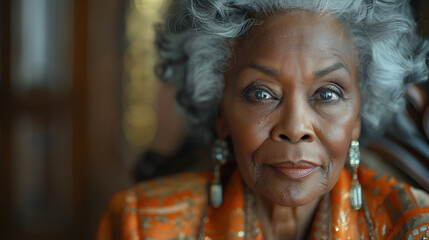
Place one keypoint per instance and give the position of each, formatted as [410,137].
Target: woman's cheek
[248,125]
[247,136]
[336,137]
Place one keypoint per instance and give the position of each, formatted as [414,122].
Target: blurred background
[79,105]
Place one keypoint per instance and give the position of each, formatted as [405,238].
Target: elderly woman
[287,86]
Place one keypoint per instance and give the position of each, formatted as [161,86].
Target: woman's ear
[356,129]
[220,125]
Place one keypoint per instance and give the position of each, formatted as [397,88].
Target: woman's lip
[294,170]
[300,164]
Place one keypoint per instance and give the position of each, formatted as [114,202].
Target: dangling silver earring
[219,154]
[356,189]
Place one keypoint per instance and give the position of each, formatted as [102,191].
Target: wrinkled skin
[291,96]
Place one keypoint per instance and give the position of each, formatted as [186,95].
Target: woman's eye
[327,95]
[261,95]
[257,95]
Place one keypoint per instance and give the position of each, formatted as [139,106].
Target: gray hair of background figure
[195,43]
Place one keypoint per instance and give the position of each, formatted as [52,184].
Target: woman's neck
[280,222]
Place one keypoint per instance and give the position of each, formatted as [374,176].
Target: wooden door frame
[78,113]
[5,116]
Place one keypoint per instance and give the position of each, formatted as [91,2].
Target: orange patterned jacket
[177,207]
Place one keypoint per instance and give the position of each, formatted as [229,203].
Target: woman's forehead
[288,33]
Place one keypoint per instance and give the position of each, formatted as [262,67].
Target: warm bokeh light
[141,84]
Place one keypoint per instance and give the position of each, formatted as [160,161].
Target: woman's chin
[293,189]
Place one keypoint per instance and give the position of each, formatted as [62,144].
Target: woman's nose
[294,124]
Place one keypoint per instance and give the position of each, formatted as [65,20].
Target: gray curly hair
[194,46]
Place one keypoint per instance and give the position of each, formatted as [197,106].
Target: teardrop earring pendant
[356,189]
[219,155]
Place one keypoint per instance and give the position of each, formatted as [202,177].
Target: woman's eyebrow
[266,70]
[323,72]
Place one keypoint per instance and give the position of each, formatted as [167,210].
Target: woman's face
[291,105]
